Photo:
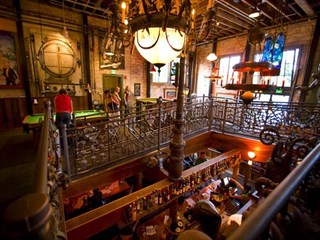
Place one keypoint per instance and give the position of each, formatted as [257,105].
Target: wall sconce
[247,176]
[255,13]
[251,155]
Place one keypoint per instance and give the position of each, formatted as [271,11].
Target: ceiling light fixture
[212,57]
[160,31]
[256,13]
[152,69]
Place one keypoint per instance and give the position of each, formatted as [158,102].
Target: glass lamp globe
[159,47]
[251,155]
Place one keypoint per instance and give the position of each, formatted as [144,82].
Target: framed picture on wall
[137,89]
[170,93]
[9,67]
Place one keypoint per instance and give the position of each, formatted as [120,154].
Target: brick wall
[298,35]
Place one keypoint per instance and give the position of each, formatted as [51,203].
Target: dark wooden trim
[86,57]
[310,59]
[148,80]
[22,59]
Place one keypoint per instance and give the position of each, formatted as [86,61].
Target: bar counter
[157,228]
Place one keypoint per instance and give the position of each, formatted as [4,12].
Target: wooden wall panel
[12,112]
[225,143]
[79,103]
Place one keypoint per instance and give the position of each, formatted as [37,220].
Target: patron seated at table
[201,159]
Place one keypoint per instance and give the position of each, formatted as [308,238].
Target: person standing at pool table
[63,107]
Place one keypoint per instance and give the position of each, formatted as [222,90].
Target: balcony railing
[99,145]
[148,127]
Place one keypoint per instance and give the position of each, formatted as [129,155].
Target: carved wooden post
[173,164]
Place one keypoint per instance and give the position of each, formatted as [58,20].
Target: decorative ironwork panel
[106,143]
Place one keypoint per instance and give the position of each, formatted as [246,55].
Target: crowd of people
[113,101]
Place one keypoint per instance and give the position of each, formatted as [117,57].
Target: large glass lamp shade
[159,47]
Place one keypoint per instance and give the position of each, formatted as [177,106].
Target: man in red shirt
[63,108]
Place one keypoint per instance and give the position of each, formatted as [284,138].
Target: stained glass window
[273,52]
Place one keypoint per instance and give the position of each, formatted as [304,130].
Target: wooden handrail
[41,176]
[28,217]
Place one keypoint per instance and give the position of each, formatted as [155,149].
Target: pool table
[31,122]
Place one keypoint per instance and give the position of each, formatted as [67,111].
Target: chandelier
[160,30]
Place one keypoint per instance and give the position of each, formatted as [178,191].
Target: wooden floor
[17,163]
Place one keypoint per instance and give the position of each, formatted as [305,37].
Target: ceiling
[230,18]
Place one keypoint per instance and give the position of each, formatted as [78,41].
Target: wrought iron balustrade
[103,144]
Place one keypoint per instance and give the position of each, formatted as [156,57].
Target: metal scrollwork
[269,136]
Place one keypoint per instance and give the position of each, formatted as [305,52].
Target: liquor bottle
[199,178]
[141,205]
[192,181]
[188,184]
[180,188]
[160,199]
[205,175]
[145,204]
[168,194]
[138,204]
[129,213]
[174,189]
[156,201]
[150,201]
[183,187]
[134,212]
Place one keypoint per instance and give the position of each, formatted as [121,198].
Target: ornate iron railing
[149,127]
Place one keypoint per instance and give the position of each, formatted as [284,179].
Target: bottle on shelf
[134,212]
[138,204]
[156,198]
[160,198]
[129,213]
[145,203]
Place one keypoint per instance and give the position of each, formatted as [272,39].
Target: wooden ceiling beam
[279,9]
[305,7]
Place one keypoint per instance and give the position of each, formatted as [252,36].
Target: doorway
[110,82]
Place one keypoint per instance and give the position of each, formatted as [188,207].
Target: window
[165,72]
[287,73]
[226,68]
